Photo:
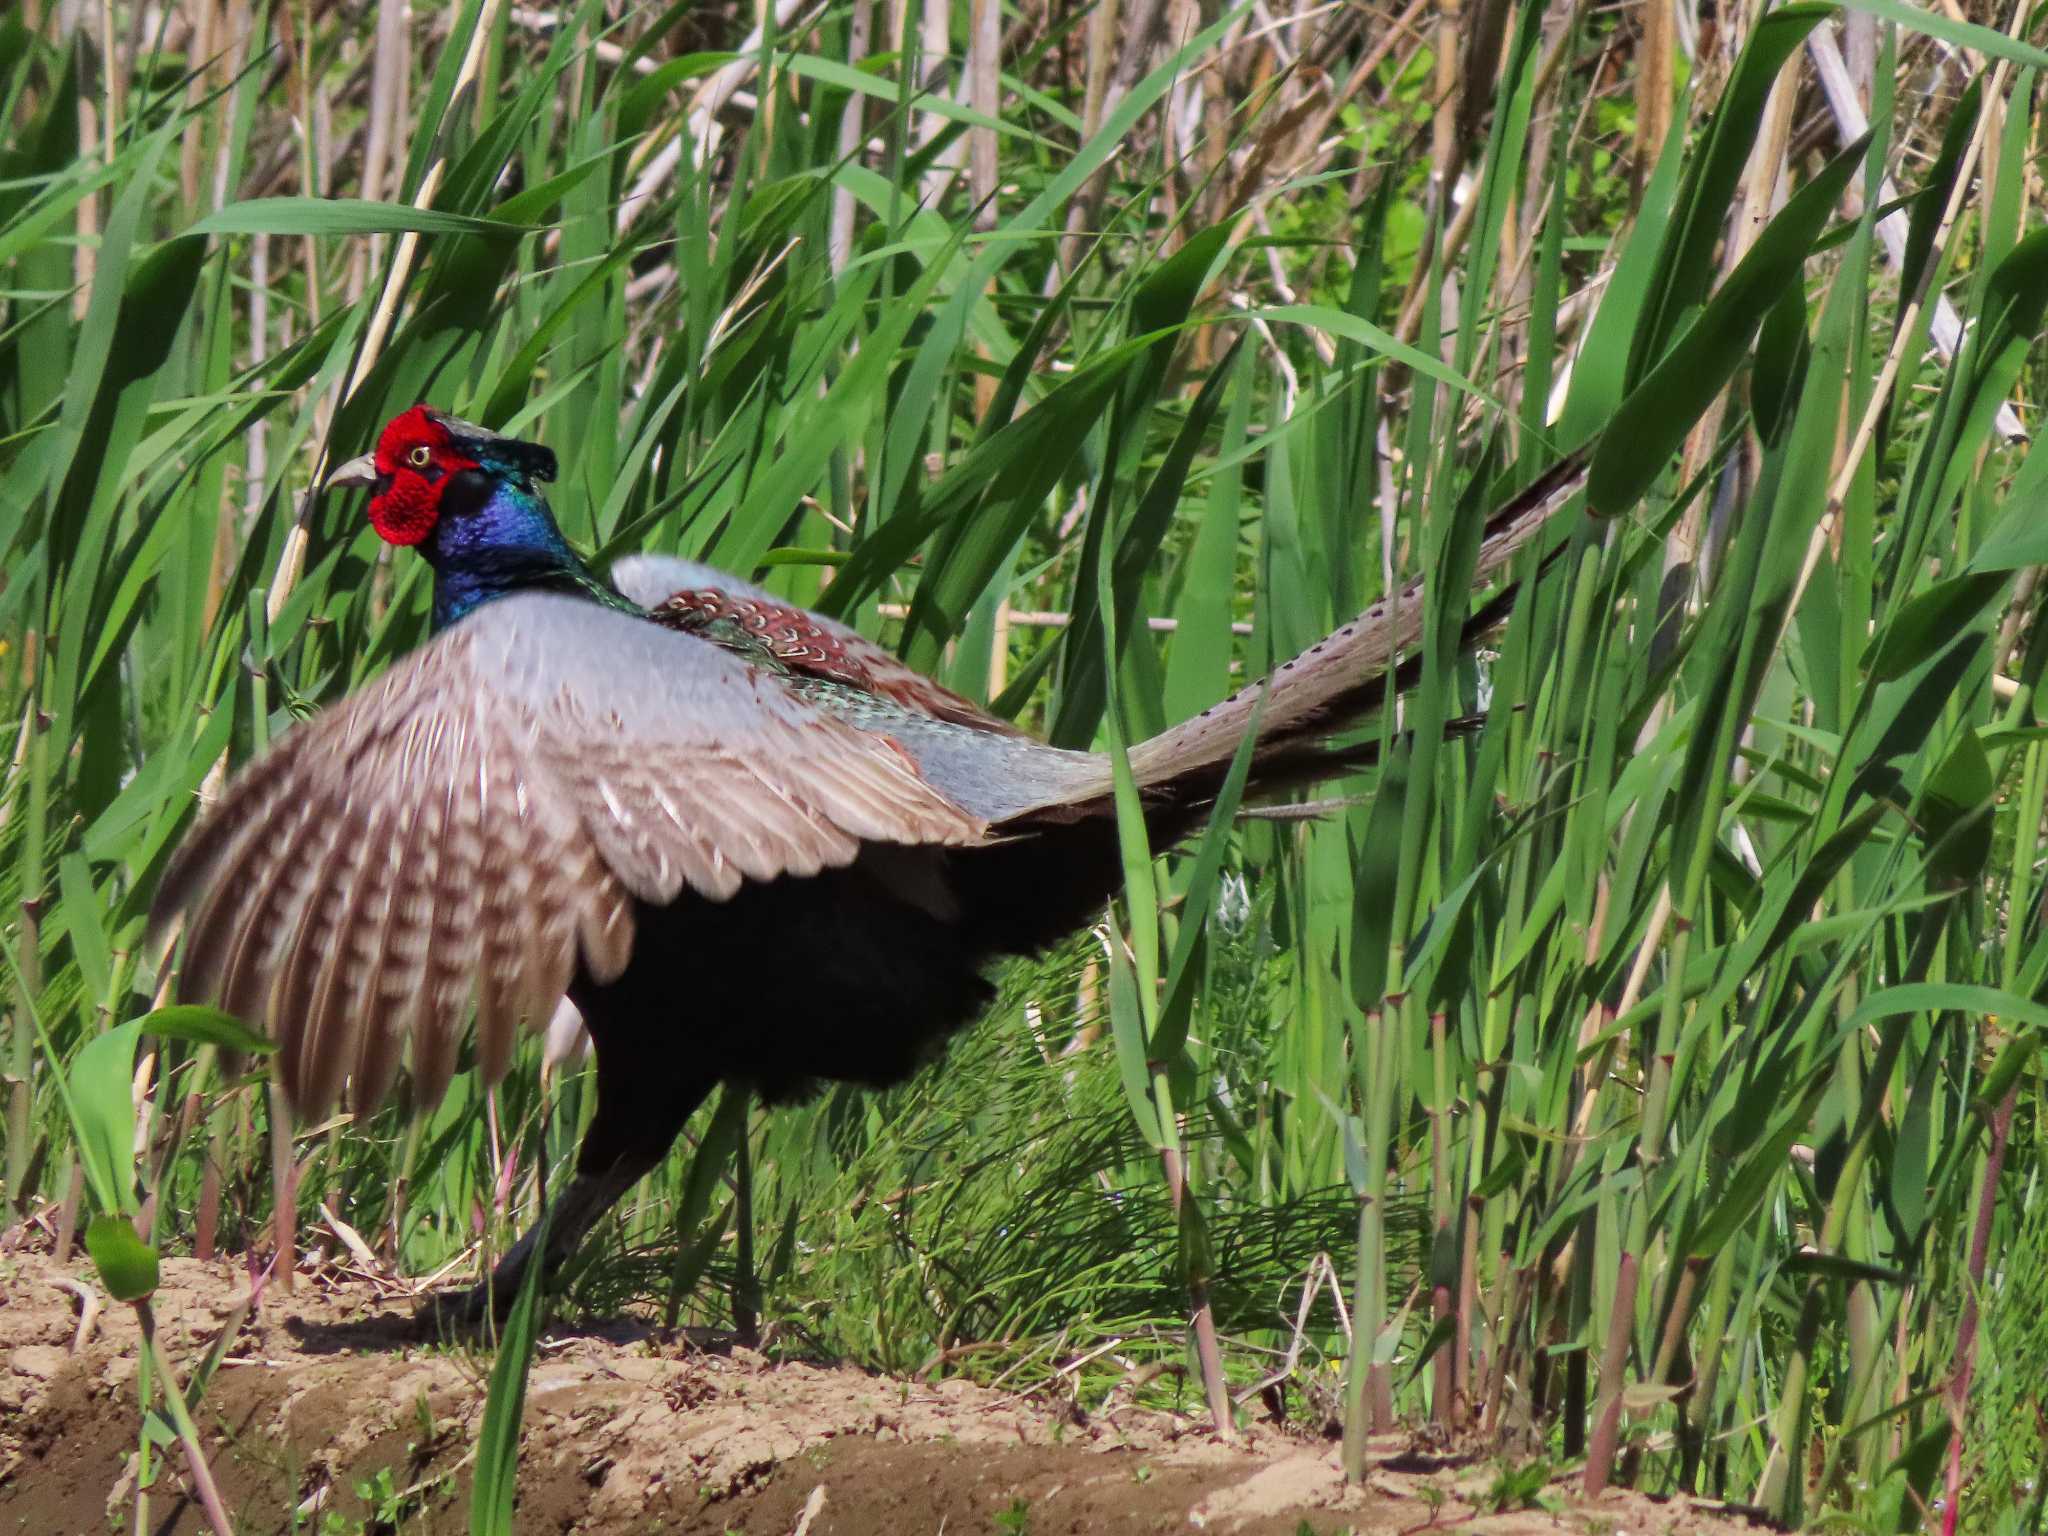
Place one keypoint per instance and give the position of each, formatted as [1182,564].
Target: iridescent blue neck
[496,536]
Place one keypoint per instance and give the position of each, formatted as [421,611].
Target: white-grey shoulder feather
[647,579]
[995,777]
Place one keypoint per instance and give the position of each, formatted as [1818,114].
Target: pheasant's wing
[688,595]
[460,830]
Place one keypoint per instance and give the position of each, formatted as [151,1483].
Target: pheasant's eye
[420,457]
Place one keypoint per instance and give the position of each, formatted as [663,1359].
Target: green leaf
[1441,1332]
[1159,308]
[1199,897]
[497,1447]
[2012,1060]
[1843,1267]
[84,918]
[1685,258]
[1127,1035]
[1958,997]
[993,492]
[127,1265]
[645,96]
[710,1165]
[1779,372]
[1909,1192]
[2020,537]
[1964,34]
[345,216]
[205,1026]
[1921,1461]
[1601,376]
[1658,413]
[1746,1188]
[1925,220]
[1736,648]
[101,1078]
[1930,621]
[1374,339]
[1955,813]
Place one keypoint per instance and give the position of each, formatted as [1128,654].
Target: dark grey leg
[647,1086]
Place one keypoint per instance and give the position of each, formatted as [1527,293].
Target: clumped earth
[330,1415]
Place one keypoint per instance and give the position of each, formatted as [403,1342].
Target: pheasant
[749,844]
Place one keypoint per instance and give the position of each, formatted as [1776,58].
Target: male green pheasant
[750,845]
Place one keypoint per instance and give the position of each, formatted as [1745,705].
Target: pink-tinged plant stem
[1966,1332]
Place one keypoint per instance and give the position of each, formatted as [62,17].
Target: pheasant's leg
[571,1215]
[640,1112]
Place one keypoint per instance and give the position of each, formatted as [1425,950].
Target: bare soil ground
[331,1415]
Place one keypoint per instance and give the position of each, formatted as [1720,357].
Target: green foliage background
[1649,1075]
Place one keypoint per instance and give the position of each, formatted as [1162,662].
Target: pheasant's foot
[457,1314]
[550,1243]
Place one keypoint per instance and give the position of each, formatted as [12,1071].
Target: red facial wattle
[407,512]
[415,459]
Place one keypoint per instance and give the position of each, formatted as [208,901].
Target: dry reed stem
[387,95]
[656,166]
[1656,86]
[1547,68]
[1945,330]
[1909,316]
[291,561]
[852,130]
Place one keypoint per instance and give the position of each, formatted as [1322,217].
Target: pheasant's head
[427,462]
[466,498]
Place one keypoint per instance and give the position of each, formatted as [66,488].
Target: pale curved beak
[359,471]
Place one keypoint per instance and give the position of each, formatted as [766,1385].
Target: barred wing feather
[464,830]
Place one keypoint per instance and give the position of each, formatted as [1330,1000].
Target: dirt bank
[330,1415]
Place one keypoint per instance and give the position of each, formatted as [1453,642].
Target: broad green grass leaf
[100,1078]
[1843,1267]
[1909,1161]
[645,95]
[127,1265]
[1952,29]
[205,1026]
[345,216]
[1751,603]
[710,1165]
[1931,621]
[496,1483]
[1127,1034]
[1686,255]
[1383,343]
[1956,997]
[1130,542]
[1746,1189]
[1198,665]
[86,925]
[1602,375]
[1955,812]
[433,119]
[2019,539]
[1199,897]
[994,490]
[1654,420]
[1925,218]
[48,463]
[1779,372]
